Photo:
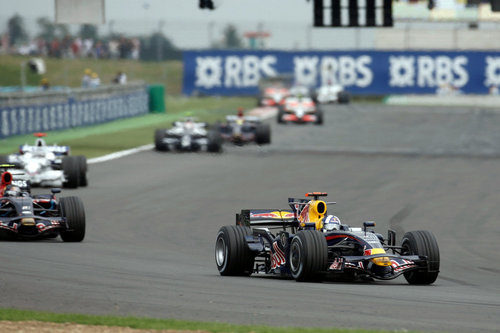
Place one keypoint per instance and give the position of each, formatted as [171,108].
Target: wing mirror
[368,224]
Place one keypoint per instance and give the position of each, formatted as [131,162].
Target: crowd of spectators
[75,47]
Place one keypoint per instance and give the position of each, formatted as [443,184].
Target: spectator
[86,78]
[95,81]
[120,78]
[44,84]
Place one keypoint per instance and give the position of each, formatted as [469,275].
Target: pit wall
[222,72]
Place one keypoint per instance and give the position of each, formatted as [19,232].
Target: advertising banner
[217,72]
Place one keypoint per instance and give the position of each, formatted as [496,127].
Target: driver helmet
[331,223]
[12,191]
[240,112]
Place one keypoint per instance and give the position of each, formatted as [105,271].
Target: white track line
[118,154]
[264,113]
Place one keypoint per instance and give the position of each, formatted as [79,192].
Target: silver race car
[188,135]
[49,166]
[332,93]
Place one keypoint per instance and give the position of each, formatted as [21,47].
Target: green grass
[151,323]
[69,72]
[128,133]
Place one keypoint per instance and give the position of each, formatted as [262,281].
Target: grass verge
[128,133]
[159,324]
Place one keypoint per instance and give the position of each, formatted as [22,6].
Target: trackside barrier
[361,72]
[23,113]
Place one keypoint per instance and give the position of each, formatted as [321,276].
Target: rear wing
[266,217]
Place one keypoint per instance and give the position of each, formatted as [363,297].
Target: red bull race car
[306,243]
[26,216]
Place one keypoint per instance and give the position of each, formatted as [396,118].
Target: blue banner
[360,72]
[24,119]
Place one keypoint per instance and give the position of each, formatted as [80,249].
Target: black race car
[26,216]
[306,243]
[240,130]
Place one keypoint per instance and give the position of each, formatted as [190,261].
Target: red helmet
[240,112]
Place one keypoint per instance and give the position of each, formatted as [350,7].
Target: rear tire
[232,255]
[319,117]
[72,209]
[82,162]
[308,255]
[281,113]
[263,134]
[214,142]
[343,97]
[71,169]
[159,144]
[422,243]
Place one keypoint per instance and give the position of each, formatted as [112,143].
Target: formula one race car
[49,166]
[332,94]
[273,90]
[188,135]
[299,109]
[23,216]
[244,129]
[308,243]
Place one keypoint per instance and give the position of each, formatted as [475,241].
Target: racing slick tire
[214,144]
[422,243]
[232,255]
[159,144]
[263,134]
[71,169]
[82,163]
[319,117]
[281,113]
[72,209]
[308,256]
[343,97]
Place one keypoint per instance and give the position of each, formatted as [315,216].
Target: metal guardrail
[28,112]
[61,95]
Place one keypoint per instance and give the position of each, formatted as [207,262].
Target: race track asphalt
[152,219]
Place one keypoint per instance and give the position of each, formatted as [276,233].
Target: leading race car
[49,165]
[188,135]
[26,216]
[242,129]
[332,93]
[299,108]
[305,243]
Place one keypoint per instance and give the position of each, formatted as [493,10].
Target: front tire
[422,243]
[232,255]
[308,255]
[72,209]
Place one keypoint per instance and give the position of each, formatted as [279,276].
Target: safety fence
[23,113]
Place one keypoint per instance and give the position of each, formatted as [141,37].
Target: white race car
[49,166]
[188,135]
[332,94]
